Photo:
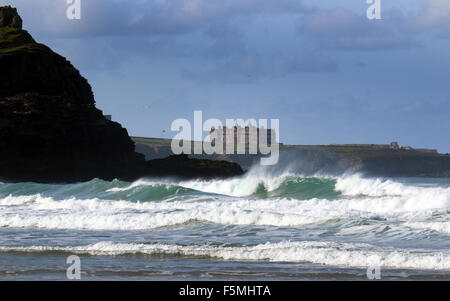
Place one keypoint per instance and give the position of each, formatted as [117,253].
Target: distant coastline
[388,160]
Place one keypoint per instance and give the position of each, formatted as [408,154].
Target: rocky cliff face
[10,17]
[50,129]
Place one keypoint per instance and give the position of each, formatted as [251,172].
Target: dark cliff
[50,129]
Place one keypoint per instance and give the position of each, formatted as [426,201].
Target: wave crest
[327,253]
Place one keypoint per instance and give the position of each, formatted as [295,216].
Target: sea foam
[96,214]
[326,253]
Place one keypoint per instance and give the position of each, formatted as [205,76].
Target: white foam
[19,200]
[438,226]
[411,206]
[37,211]
[238,186]
[354,185]
[141,182]
[41,212]
[326,253]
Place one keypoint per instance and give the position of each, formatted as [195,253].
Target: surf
[321,253]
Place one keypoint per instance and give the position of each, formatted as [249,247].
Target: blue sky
[327,72]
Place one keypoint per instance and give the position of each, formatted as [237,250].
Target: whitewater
[263,225]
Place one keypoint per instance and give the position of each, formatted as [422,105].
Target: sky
[327,72]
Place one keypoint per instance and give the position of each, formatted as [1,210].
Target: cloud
[130,17]
[435,17]
[224,40]
[252,67]
[345,30]
[121,31]
[218,33]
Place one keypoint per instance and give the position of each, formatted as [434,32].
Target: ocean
[261,226]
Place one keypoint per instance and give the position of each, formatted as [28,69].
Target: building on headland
[248,135]
[393,145]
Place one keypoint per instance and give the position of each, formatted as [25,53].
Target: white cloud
[118,17]
[346,30]
[435,16]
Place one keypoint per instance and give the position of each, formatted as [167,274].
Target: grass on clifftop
[13,39]
[9,34]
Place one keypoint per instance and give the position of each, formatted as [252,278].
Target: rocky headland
[370,160]
[51,130]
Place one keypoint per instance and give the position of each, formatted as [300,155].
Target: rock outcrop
[50,129]
[10,17]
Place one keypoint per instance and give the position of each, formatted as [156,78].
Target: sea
[264,225]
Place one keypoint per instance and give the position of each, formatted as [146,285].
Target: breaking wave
[405,221]
[326,253]
[283,201]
